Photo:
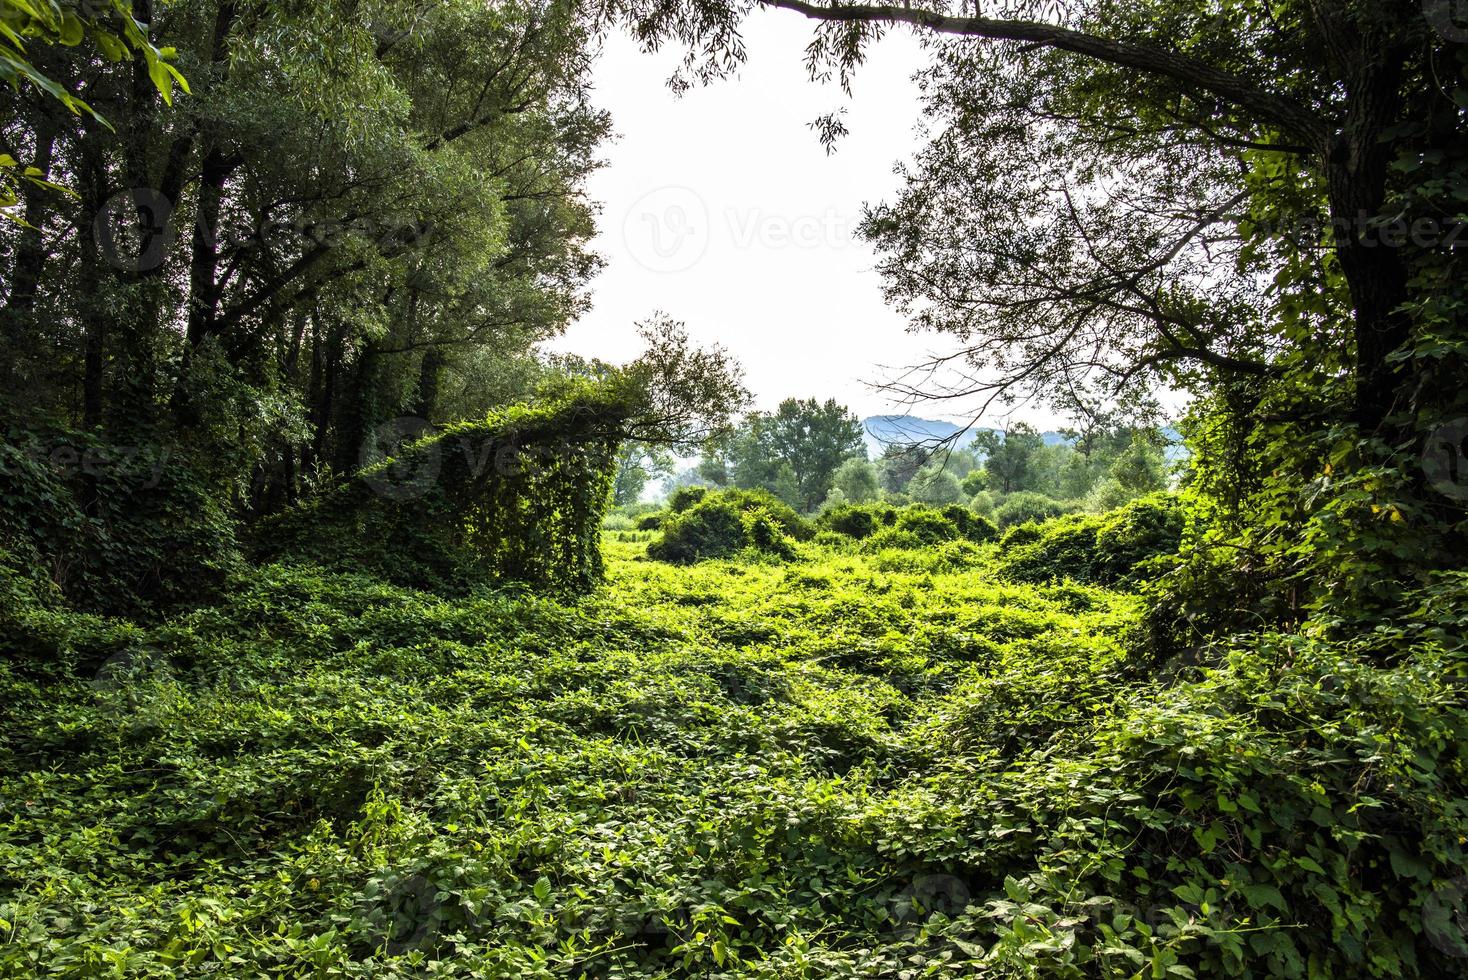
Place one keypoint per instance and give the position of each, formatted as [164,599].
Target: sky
[722,210]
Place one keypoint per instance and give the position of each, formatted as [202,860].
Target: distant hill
[884,430]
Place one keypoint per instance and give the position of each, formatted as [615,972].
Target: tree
[1009,456]
[205,287]
[936,486]
[899,464]
[977,481]
[857,480]
[1254,202]
[113,32]
[1139,468]
[637,465]
[814,438]
[794,451]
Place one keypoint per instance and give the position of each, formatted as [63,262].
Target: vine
[518,496]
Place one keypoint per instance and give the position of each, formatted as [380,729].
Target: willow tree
[1255,201]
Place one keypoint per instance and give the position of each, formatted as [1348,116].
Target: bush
[1019,508]
[982,502]
[1109,494]
[724,522]
[928,526]
[893,537]
[1020,534]
[1104,548]
[763,533]
[831,539]
[651,522]
[1148,528]
[684,498]
[971,526]
[852,521]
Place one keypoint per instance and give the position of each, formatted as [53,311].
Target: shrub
[831,539]
[982,502]
[684,498]
[1149,528]
[651,522]
[1109,494]
[1018,508]
[1064,547]
[854,522]
[116,529]
[936,486]
[971,526]
[723,522]
[1105,548]
[1020,534]
[928,526]
[763,533]
[893,537]
[518,496]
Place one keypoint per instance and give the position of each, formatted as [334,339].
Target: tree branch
[1288,114]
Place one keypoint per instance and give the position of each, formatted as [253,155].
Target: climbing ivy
[518,496]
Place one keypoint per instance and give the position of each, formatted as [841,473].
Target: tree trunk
[30,256]
[430,373]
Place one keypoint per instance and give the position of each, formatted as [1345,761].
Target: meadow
[856,762]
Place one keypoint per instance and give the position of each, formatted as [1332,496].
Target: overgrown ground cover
[889,763]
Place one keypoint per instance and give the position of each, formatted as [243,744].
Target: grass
[889,764]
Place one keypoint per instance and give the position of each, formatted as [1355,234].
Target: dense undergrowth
[890,763]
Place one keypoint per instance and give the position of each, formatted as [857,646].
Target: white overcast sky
[721,209]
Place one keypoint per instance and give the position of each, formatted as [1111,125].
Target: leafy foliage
[519,496]
[1106,549]
[794,452]
[835,768]
[111,528]
[1020,508]
[716,524]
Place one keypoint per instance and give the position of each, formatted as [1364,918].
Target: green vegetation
[337,641]
[825,767]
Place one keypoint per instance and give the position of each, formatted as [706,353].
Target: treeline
[812,456]
[362,212]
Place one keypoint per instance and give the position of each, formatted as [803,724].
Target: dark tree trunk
[357,414]
[430,373]
[31,254]
[1374,266]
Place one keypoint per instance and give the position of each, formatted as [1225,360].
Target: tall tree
[1009,456]
[795,450]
